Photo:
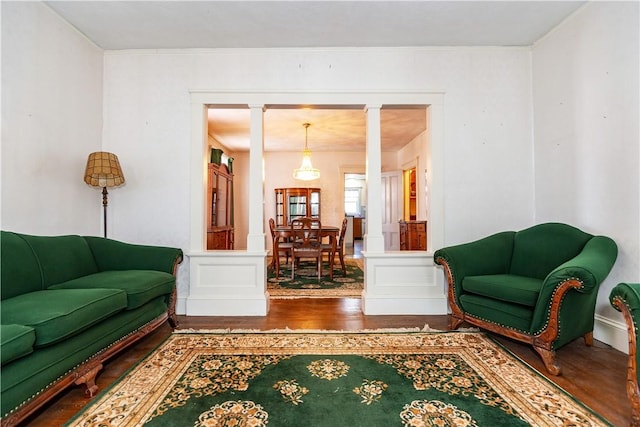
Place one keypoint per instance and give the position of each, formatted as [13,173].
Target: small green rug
[327,379]
[306,285]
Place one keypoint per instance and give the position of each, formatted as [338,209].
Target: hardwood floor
[595,375]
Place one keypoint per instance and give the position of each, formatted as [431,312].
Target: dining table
[284,233]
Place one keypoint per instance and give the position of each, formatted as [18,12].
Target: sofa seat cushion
[141,286]
[16,341]
[505,287]
[61,313]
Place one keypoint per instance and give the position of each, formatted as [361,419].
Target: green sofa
[625,297]
[537,285]
[70,302]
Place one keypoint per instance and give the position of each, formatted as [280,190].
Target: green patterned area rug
[304,378]
[306,285]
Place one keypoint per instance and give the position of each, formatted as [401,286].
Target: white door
[391,209]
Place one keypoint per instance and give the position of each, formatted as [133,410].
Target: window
[352,201]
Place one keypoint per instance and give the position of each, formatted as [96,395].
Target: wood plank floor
[595,375]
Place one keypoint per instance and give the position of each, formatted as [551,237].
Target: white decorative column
[256,238]
[223,282]
[402,282]
[373,239]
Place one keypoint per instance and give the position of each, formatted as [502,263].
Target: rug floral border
[537,400]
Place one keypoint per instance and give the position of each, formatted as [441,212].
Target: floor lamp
[103,170]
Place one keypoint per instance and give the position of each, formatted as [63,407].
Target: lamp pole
[104,208]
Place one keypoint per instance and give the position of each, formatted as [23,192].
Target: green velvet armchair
[625,297]
[537,285]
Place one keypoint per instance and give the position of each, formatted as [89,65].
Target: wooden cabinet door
[219,207]
[292,203]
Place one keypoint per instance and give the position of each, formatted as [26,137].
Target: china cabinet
[413,235]
[294,203]
[219,207]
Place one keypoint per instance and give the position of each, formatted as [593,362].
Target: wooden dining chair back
[306,236]
[284,246]
[340,247]
[328,248]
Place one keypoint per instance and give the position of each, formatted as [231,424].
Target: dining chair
[306,234]
[339,249]
[284,246]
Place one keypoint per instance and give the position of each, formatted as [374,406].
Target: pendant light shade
[306,172]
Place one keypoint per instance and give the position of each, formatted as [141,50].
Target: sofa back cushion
[62,258]
[19,267]
[540,249]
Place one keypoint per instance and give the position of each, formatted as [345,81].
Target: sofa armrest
[625,297]
[590,267]
[489,255]
[115,255]
[629,293]
[577,279]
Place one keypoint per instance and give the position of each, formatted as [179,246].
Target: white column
[373,239]
[256,238]
[198,179]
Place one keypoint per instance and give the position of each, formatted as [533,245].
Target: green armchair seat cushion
[505,287]
[141,286]
[62,313]
[16,341]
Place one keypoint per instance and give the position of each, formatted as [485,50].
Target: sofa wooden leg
[455,322]
[89,380]
[173,321]
[588,339]
[549,360]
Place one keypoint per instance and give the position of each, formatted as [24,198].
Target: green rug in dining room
[327,379]
[306,285]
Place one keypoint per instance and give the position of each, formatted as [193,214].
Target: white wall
[51,121]
[585,85]
[488,119]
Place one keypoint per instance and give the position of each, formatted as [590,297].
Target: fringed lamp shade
[103,170]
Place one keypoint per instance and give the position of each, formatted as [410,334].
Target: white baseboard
[226,306]
[612,333]
[181,305]
[413,305]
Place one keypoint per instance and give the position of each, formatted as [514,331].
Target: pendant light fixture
[306,172]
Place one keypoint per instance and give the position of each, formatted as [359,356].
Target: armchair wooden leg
[455,322]
[588,339]
[549,359]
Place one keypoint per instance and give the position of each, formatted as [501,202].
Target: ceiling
[330,129]
[115,25]
[259,24]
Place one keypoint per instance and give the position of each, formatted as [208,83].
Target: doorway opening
[410,200]
[355,209]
